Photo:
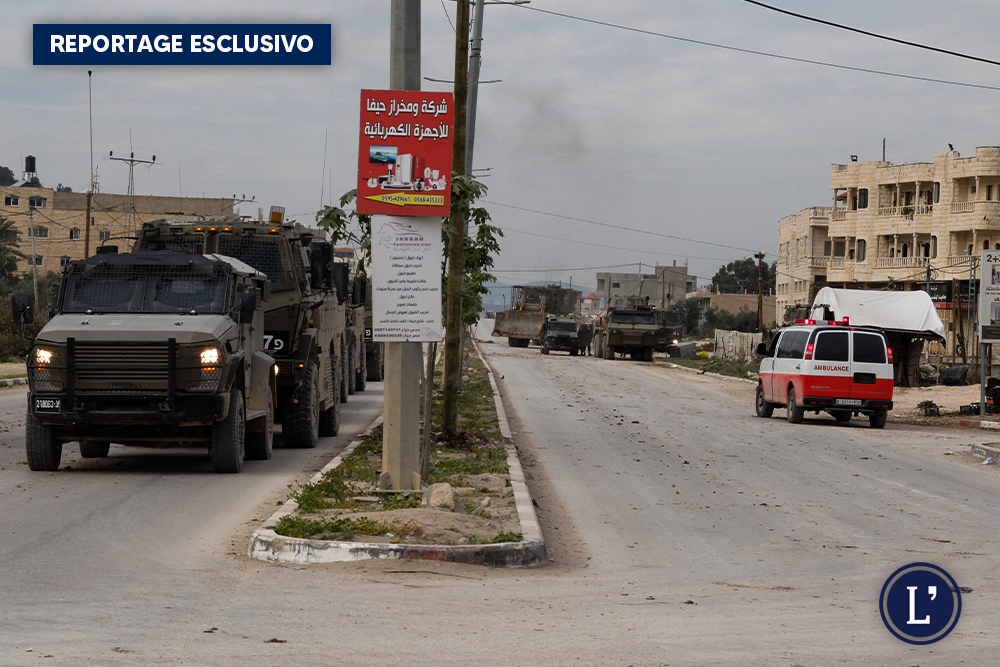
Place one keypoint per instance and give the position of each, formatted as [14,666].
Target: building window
[826,248]
[937,192]
[838,248]
[863,198]
[36,202]
[862,250]
[38,232]
[933,246]
[64,260]
[74,234]
[613,285]
[35,259]
[104,235]
[10,200]
[989,193]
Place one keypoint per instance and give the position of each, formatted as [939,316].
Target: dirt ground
[13,369]
[469,521]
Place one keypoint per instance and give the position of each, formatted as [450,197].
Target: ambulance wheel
[842,416]
[764,409]
[878,419]
[795,412]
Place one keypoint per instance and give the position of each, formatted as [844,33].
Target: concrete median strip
[266,545]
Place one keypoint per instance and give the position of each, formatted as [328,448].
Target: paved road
[682,531]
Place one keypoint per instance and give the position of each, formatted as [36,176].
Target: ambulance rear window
[832,346]
[869,348]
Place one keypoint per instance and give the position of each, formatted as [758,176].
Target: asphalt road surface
[682,530]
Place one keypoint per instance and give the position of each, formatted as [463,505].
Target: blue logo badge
[920,603]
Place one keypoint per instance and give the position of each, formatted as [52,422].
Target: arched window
[74,234]
[104,235]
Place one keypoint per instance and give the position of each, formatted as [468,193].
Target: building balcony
[904,211]
[901,262]
[961,260]
[826,262]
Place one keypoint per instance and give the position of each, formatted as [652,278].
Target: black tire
[300,425]
[764,408]
[42,449]
[375,364]
[878,419]
[229,437]
[352,374]
[795,413]
[362,375]
[545,349]
[842,416]
[647,353]
[609,351]
[573,351]
[95,450]
[260,444]
[344,365]
[329,419]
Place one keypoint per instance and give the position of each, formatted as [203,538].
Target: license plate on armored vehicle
[848,401]
[47,404]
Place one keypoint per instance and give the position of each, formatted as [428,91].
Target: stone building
[55,222]
[899,226]
[664,287]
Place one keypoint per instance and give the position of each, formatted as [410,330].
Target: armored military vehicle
[566,333]
[522,322]
[631,331]
[671,328]
[305,321]
[153,349]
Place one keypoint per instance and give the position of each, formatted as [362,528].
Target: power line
[758,53]
[604,245]
[872,34]
[608,224]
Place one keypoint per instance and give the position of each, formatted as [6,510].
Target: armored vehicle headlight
[210,357]
[43,357]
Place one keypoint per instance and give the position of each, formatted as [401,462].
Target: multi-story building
[804,251]
[54,223]
[900,226]
[664,287]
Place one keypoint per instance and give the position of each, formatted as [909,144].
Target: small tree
[7,176]
[9,253]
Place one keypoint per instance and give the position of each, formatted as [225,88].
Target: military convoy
[153,349]
[312,327]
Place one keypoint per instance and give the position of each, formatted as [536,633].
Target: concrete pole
[475,62]
[401,427]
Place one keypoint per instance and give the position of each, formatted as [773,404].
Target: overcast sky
[590,121]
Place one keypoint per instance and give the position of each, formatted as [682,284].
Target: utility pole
[34,258]
[475,62]
[90,189]
[760,290]
[401,429]
[456,263]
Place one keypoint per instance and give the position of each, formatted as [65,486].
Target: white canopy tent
[904,312]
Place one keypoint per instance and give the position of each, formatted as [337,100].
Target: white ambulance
[826,366]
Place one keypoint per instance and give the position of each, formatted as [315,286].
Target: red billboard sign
[404,156]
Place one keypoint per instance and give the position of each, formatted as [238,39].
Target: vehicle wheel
[647,354]
[95,450]
[344,365]
[228,437]
[43,452]
[573,351]
[329,419]
[545,349]
[878,419]
[301,426]
[362,375]
[842,416]
[352,374]
[609,351]
[260,444]
[764,409]
[795,413]
[374,364]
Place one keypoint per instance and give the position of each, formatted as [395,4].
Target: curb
[976,423]
[10,382]
[266,545]
[985,451]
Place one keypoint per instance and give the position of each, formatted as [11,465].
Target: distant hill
[499,297]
